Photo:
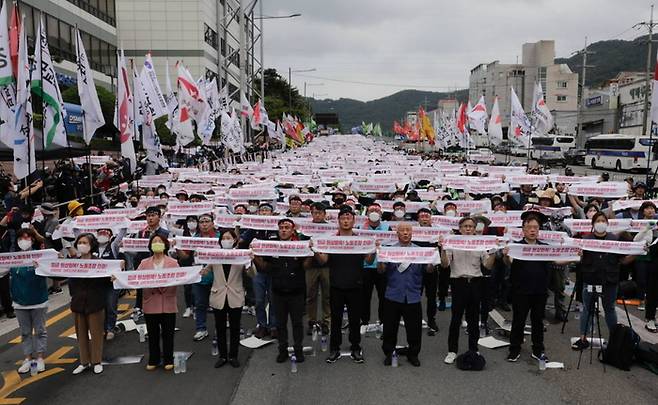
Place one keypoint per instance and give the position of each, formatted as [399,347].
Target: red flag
[397,128]
[14,29]
[461,119]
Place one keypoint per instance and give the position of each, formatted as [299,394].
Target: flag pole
[84,127]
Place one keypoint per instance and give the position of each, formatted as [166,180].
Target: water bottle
[183,364]
[542,363]
[215,347]
[177,363]
[314,340]
[142,333]
[323,343]
[242,334]
[378,331]
[394,359]
[293,364]
[33,368]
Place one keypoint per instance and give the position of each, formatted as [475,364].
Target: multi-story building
[559,83]
[203,34]
[96,20]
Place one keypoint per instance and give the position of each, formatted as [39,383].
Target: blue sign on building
[73,121]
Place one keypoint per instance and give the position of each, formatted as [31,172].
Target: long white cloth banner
[190,243]
[463,206]
[550,237]
[396,254]
[344,244]
[101,222]
[79,268]
[504,219]
[472,243]
[551,253]
[620,205]
[26,258]
[446,222]
[385,237]
[260,222]
[609,246]
[134,245]
[428,233]
[487,188]
[187,208]
[223,256]
[585,225]
[227,220]
[166,277]
[606,189]
[549,211]
[281,248]
[261,193]
[316,229]
[374,187]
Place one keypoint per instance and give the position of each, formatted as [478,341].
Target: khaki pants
[317,279]
[91,352]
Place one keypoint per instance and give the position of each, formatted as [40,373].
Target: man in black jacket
[288,291]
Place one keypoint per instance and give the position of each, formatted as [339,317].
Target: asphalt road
[262,381]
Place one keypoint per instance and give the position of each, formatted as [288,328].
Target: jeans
[112,300]
[160,325]
[201,297]
[412,314]
[521,305]
[28,320]
[233,315]
[290,305]
[608,297]
[263,295]
[465,301]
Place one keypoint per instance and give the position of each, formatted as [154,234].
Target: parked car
[575,156]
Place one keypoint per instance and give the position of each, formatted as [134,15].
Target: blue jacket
[26,287]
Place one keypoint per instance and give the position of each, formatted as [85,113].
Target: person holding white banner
[29,293]
[88,306]
[466,283]
[226,300]
[160,307]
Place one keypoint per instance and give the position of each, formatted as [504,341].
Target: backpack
[471,361]
[647,353]
[621,347]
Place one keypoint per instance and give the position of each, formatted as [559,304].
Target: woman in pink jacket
[160,307]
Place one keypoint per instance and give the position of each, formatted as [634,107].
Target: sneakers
[464,324]
[261,332]
[80,369]
[281,357]
[300,357]
[325,328]
[651,326]
[25,367]
[513,357]
[413,360]
[200,335]
[11,314]
[432,326]
[580,344]
[363,329]
[137,314]
[109,335]
[450,358]
[540,356]
[333,356]
[442,305]
[220,362]
[388,360]
[41,365]
[357,356]
[98,368]
[55,290]
[188,312]
[234,362]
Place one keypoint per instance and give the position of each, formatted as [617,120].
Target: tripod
[594,310]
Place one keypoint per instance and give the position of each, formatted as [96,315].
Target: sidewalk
[55,302]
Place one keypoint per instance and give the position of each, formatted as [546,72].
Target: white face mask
[252,209]
[398,213]
[83,249]
[479,227]
[191,226]
[451,213]
[103,239]
[227,243]
[25,244]
[600,227]
[374,217]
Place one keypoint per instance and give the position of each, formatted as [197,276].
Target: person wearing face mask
[487,299]
[240,209]
[599,269]
[160,307]
[186,258]
[88,306]
[30,301]
[466,283]
[372,279]
[226,300]
[201,290]
[134,200]
[645,266]
[399,211]
[518,200]
[339,199]
[449,210]
[252,207]
[295,206]
[430,278]
[46,228]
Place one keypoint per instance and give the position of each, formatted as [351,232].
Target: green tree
[277,97]
[105,97]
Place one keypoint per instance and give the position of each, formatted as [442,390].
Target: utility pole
[645,114]
[583,75]
[243,63]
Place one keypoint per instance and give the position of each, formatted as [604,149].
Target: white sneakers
[80,369]
[200,335]
[651,326]
[188,312]
[25,367]
[98,368]
[450,358]
[109,335]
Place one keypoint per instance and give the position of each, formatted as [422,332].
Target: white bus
[619,152]
[551,147]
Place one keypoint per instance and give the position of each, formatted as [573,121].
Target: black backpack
[647,353]
[621,347]
[470,361]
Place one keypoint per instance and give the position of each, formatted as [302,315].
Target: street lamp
[290,71]
[275,17]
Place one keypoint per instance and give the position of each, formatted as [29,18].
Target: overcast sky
[429,43]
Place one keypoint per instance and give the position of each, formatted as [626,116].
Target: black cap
[532,213]
[638,185]
[345,210]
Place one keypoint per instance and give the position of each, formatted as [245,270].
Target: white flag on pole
[519,122]
[152,97]
[654,101]
[25,161]
[245,107]
[7,84]
[477,116]
[150,138]
[124,114]
[540,112]
[172,102]
[92,115]
[495,125]
[44,84]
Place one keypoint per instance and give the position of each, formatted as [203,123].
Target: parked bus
[619,152]
[550,147]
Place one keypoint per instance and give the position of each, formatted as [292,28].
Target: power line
[382,84]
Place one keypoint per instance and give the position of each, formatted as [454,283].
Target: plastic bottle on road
[33,368]
[177,358]
[323,343]
[215,347]
[394,359]
[542,363]
[183,364]
[314,340]
[293,364]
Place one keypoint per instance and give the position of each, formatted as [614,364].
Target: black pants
[233,315]
[430,285]
[290,305]
[5,294]
[500,280]
[487,298]
[160,325]
[372,279]
[521,305]
[465,299]
[413,323]
[652,293]
[139,298]
[443,282]
[338,298]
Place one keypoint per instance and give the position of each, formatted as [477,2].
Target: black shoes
[281,357]
[442,305]
[333,357]
[300,357]
[413,360]
[220,362]
[388,360]
[234,362]
[325,328]
[513,357]
[357,356]
[432,327]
